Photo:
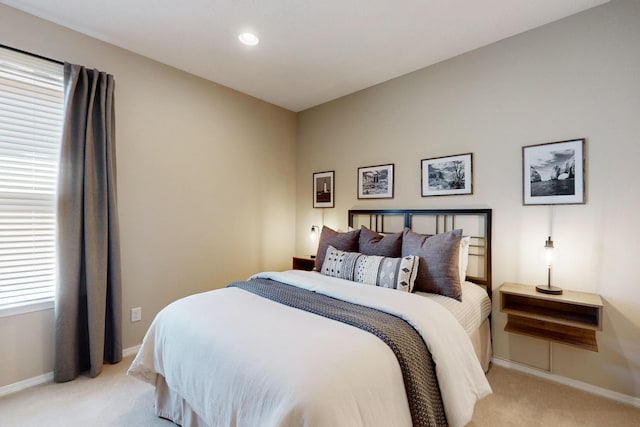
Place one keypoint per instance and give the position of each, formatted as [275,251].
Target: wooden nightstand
[303,263]
[571,318]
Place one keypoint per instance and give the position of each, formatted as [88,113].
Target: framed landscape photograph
[553,173]
[323,185]
[375,182]
[445,176]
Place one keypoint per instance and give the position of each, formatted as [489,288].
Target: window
[31,114]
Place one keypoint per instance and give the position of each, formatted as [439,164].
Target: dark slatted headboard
[473,222]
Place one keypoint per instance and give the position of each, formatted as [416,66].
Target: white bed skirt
[481,341]
[171,406]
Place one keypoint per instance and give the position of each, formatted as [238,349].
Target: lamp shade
[548,252]
[314,233]
[548,260]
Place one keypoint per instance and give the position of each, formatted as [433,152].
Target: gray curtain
[88,293]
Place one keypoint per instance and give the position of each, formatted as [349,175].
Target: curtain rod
[31,54]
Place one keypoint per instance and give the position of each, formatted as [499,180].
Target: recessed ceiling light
[249,39]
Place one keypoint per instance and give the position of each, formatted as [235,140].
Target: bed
[320,348]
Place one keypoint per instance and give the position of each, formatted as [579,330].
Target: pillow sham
[463,259]
[386,272]
[343,241]
[372,243]
[438,268]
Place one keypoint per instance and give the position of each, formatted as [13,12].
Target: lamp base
[545,289]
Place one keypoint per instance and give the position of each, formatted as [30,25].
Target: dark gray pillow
[438,271]
[347,242]
[372,243]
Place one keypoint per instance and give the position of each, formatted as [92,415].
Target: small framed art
[553,173]
[375,182]
[323,185]
[445,176]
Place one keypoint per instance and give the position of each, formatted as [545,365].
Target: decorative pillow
[394,273]
[463,260]
[344,241]
[372,243]
[438,270]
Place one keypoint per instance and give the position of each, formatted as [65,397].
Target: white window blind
[31,114]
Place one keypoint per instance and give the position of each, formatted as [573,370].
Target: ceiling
[310,52]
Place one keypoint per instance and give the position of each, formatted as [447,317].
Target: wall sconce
[315,230]
[548,259]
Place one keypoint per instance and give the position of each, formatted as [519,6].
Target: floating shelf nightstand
[303,263]
[571,318]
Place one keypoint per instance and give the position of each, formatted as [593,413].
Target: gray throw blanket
[416,364]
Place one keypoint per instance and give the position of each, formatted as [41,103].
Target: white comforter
[242,360]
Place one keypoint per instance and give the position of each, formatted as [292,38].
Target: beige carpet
[524,400]
[113,399]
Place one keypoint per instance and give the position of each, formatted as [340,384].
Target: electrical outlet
[136,314]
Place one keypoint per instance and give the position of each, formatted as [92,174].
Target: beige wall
[206,180]
[574,78]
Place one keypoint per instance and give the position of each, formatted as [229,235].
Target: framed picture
[444,176]
[553,173]
[375,182]
[323,185]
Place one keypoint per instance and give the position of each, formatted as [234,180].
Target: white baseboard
[131,351]
[24,384]
[589,388]
[48,377]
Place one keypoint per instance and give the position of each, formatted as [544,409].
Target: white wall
[574,78]
[206,181]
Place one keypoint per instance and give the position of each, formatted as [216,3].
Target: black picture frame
[447,176]
[376,182]
[324,189]
[553,173]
